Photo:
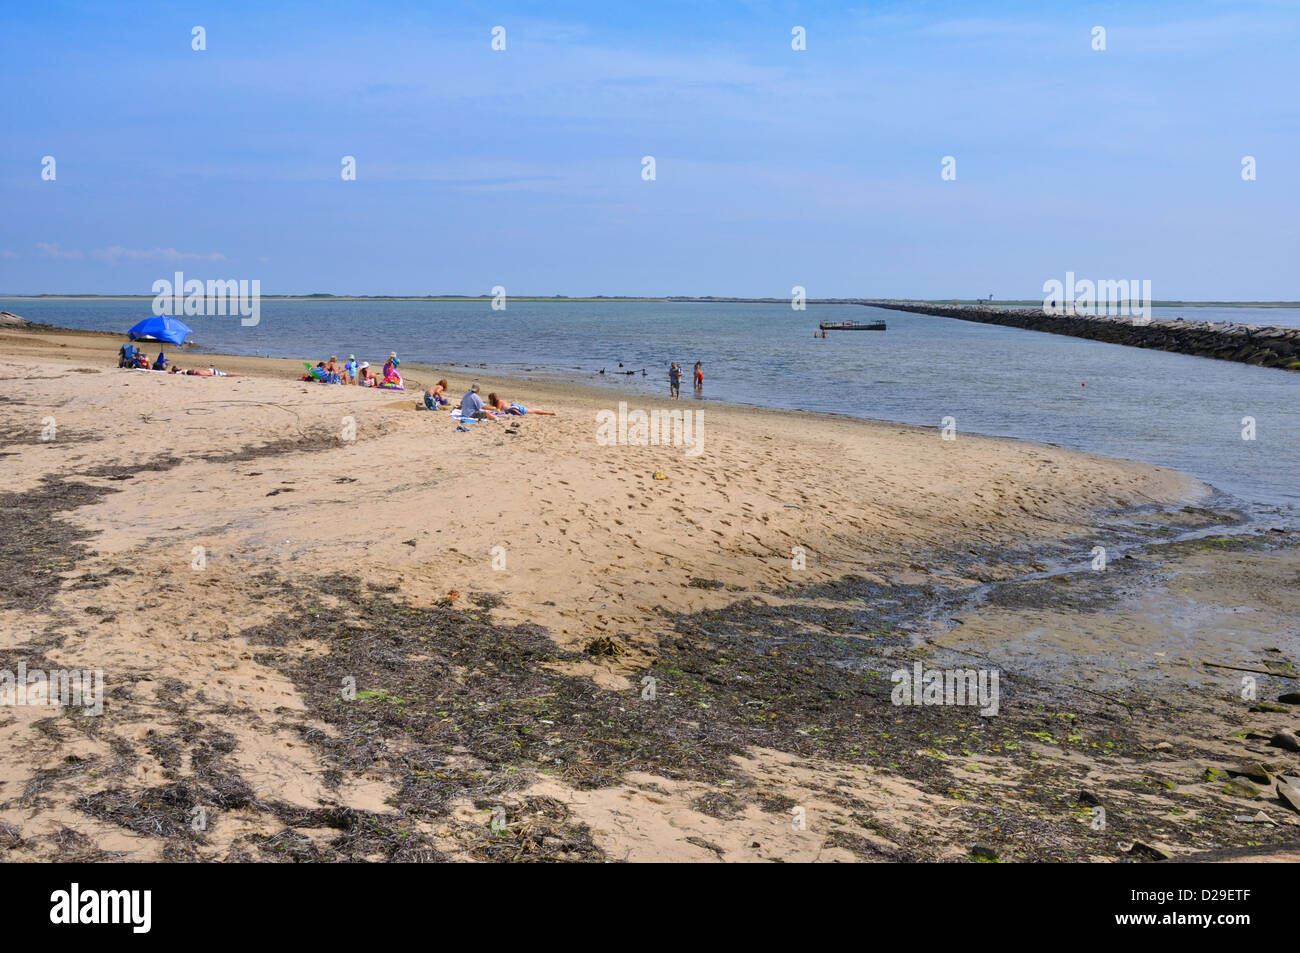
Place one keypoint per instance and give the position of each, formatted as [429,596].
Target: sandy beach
[332,626]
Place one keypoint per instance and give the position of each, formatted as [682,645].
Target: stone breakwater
[1264,345]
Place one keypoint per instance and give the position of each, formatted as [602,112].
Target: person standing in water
[674,381]
[699,377]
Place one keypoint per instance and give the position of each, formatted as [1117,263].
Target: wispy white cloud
[6,253]
[116,253]
[55,250]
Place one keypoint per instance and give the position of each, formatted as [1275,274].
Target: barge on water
[852,326]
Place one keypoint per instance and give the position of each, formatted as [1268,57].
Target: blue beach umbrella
[172,330]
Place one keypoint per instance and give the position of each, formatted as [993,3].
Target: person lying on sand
[204,372]
[499,405]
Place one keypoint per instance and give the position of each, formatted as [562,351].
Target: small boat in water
[852,326]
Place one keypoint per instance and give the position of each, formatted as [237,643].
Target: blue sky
[775,168]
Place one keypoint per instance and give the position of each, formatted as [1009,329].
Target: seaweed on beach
[451,706]
[724,805]
[11,836]
[877,607]
[36,547]
[71,846]
[537,829]
[181,810]
[167,811]
[37,784]
[185,810]
[314,440]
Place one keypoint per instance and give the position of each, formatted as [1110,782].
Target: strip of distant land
[703,299]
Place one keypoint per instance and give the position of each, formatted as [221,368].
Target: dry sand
[262,485]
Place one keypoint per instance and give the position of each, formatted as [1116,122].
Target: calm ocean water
[1169,409]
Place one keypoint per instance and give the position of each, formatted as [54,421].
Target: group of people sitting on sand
[473,407]
[357,374]
[131,356]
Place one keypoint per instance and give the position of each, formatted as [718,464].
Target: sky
[773,167]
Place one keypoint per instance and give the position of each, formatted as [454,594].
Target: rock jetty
[1264,345]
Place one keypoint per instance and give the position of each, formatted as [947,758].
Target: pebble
[1270,707]
[1146,851]
[1290,795]
[1260,818]
[1242,787]
[1254,771]
[1286,741]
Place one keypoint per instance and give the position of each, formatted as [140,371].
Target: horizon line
[736,299]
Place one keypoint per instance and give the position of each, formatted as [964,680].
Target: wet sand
[333,627]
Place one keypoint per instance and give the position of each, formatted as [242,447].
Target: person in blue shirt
[471,405]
